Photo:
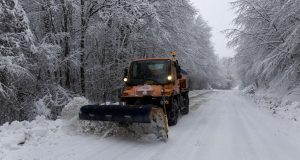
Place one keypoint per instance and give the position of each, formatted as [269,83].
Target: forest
[83,79]
[267,41]
[54,50]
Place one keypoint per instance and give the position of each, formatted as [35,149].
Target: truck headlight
[169,78]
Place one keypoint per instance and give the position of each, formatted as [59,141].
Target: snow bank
[15,135]
[250,89]
[286,106]
[71,110]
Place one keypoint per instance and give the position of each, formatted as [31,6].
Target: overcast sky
[219,15]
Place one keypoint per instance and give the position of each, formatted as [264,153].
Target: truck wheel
[173,113]
[186,108]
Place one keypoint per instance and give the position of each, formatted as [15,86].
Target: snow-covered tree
[267,42]
[28,68]
[15,59]
[81,47]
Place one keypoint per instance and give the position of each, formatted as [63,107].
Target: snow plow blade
[148,114]
[116,113]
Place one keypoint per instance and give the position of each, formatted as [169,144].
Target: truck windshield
[149,72]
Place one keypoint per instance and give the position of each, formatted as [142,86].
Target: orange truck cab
[159,82]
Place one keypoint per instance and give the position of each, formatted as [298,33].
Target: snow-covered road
[221,125]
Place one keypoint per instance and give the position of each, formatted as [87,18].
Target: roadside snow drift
[14,136]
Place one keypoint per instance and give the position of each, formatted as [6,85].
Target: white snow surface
[221,125]
[282,103]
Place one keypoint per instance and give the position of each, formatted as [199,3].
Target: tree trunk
[82,47]
[66,44]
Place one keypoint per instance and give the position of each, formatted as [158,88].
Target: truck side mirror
[125,72]
[179,76]
[179,69]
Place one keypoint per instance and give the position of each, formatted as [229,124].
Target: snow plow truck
[155,92]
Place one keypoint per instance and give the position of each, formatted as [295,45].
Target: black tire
[186,109]
[173,113]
